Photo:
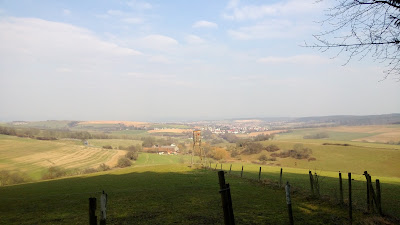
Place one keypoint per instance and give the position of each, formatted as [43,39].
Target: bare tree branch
[364,27]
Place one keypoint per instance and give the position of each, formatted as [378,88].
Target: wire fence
[329,187]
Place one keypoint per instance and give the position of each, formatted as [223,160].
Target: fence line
[358,187]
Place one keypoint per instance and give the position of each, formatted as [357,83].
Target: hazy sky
[162,60]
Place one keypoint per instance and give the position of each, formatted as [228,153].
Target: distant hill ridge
[393,118]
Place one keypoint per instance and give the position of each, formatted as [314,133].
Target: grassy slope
[34,156]
[379,133]
[164,194]
[328,183]
[115,143]
[378,159]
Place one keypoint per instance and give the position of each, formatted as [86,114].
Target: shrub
[253,148]
[89,170]
[122,147]
[148,141]
[8,178]
[123,162]
[107,147]
[133,148]
[312,159]
[262,137]
[54,172]
[242,142]
[231,138]
[272,148]
[132,155]
[219,153]
[217,141]
[303,154]
[263,158]
[103,167]
[235,153]
[317,136]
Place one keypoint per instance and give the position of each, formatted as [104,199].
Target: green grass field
[329,183]
[373,133]
[165,194]
[115,143]
[378,159]
[161,189]
[130,133]
[333,135]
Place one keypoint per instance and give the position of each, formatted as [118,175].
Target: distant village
[234,129]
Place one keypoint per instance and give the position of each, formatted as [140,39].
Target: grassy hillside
[34,157]
[329,183]
[377,158]
[115,143]
[377,133]
[166,194]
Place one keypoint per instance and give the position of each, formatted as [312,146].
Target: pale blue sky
[163,60]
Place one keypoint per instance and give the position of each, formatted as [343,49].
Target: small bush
[54,172]
[262,137]
[217,141]
[218,153]
[123,162]
[8,178]
[132,155]
[107,147]
[297,154]
[272,148]
[235,153]
[89,170]
[103,167]
[320,135]
[312,159]
[122,147]
[263,158]
[253,148]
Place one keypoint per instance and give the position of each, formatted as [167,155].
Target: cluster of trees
[56,172]
[9,178]
[148,142]
[264,158]
[51,134]
[298,152]
[218,153]
[320,135]
[263,137]
[231,138]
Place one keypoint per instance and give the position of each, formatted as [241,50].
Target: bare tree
[364,27]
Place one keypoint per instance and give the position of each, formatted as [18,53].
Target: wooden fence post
[221,166]
[341,188]
[103,207]
[372,194]
[378,197]
[226,199]
[350,202]
[259,175]
[311,182]
[289,202]
[92,211]
[216,166]
[280,179]
[210,165]
[368,192]
[230,169]
[241,173]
